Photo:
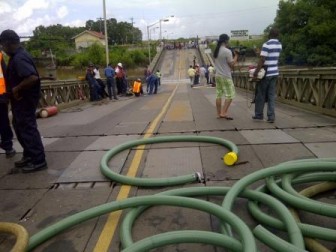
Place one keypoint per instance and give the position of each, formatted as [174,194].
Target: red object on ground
[48,111]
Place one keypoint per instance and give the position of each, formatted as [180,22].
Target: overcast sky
[190,17]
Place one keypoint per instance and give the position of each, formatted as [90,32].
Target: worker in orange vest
[6,132]
[137,87]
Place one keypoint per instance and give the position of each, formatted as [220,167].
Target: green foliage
[253,43]
[118,33]
[60,40]
[129,57]
[95,54]
[307,29]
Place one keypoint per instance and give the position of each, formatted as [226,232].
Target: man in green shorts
[224,63]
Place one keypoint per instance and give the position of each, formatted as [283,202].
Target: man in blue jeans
[111,86]
[266,88]
[151,84]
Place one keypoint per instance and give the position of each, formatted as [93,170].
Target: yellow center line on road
[111,224]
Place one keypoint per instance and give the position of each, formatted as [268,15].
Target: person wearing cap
[265,90]
[120,79]
[224,64]
[6,132]
[25,87]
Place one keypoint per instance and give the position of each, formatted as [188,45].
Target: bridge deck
[76,139]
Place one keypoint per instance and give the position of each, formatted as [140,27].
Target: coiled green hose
[302,170]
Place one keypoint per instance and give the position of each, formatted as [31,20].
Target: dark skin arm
[25,84]
[259,66]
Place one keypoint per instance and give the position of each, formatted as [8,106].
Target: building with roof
[88,38]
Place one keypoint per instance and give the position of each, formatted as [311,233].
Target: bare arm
[27,83]
[259,66]
[235,59]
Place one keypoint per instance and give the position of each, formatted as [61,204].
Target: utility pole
[132,22]
[106,38]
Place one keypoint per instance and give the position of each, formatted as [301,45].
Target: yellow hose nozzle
[230,158]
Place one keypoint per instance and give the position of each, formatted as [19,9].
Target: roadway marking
[111,224]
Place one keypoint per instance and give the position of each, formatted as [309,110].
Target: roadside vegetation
[125,45]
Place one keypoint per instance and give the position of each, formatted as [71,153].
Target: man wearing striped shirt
[266,88]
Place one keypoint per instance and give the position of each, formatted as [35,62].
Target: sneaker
[270,120]
[23,162]
[30,167]
[257,118]
[11,153]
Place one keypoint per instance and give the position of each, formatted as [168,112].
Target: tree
[118,33]
[307,29]
[59,39]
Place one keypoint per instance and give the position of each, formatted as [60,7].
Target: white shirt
[97,74]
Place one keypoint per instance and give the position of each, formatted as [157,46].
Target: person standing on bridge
[6,132]
[111,87]
[191,74]
[265,89]
[24,82]
[224,64]
[211,71]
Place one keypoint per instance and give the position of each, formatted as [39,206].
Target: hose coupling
[200,178]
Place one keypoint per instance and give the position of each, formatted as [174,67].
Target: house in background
[88,38]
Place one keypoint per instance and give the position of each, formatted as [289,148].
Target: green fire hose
[299,171]
[230,158]
[277,206]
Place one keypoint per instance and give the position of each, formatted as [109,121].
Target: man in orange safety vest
[137,88]
[6,132]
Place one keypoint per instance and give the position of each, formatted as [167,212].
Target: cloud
[62,12]
[25,28]
[5,7]
[76,23]
[27,9]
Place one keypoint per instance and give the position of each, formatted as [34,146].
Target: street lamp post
[148,36]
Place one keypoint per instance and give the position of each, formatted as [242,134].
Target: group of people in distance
[117,84]
[201,75]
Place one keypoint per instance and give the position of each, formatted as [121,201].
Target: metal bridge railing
[312,89]
[65,92]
